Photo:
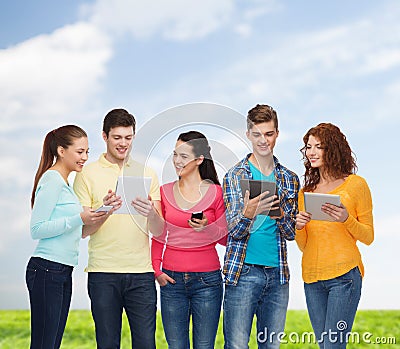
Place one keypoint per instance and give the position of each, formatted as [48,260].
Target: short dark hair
[261,113]
[118,117]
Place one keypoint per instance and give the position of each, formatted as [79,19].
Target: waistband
[258,266]
[192,273]
[45,263]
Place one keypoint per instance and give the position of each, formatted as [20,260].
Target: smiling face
[184,159]
[119,143]
[315,152]
[263,138]
[75,156]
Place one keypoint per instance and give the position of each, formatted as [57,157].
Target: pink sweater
[181,248]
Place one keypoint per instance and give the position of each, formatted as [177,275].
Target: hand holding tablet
[129,188]
[313,204]
[256,188]
[104,208]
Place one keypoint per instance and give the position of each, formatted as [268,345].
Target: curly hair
[338,158]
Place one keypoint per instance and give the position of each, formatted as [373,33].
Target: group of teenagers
[181,254]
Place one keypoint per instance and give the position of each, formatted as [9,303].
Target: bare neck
[61,170]
[265,164]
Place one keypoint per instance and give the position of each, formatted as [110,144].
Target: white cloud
[246,17]
[51,75]
[384,60]
[259,8]
[310,69]
[175,19]
[243,29]
[14,165]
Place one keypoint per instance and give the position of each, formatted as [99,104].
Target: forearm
[286,225]
[49,229]
[301,238]
[156,256]
[156,225]
[239,226]
[362,231]
[90,230]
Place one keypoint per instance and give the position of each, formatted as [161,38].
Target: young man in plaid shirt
[256,270]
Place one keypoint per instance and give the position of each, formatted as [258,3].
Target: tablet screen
[314,201]
[256,187]
[129,188]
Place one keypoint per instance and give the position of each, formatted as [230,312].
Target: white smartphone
[104,208]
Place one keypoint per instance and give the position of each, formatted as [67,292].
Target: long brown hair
[338,158]
[62,136]
[200,147]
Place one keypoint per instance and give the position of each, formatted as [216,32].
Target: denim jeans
[332,306]
[194,294]
[109,294]
[50,289]
[258,292]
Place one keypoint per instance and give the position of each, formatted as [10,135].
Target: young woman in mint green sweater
[56,222]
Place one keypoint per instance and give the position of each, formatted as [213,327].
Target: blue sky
[72,61]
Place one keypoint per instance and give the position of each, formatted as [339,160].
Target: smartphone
[197,215]
[104,208]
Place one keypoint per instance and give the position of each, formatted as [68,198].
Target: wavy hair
[338,158]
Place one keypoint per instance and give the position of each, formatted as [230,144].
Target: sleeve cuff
[349,221]
[245,220]
[158,273]
[76,220]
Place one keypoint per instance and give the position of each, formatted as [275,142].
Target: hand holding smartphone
[104,208]
[197,215]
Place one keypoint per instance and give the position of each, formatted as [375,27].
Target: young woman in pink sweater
[332,266]
[184,258]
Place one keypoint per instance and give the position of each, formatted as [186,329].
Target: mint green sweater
[56,220]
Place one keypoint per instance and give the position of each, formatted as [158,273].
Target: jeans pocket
[166,285]
[171,274]
[245,270]
[344,280]
[30,277]
[348,278]
[211,278]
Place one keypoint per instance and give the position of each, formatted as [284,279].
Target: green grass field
[370,326]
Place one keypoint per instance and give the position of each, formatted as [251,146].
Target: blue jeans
[50,289]
[332,306]
[258,292]
[194,294]
[109,294]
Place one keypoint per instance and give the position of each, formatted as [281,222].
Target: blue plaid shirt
[239,225]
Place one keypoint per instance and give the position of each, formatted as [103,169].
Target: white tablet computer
[314,201]
[129,188]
